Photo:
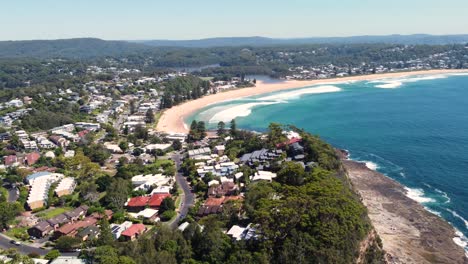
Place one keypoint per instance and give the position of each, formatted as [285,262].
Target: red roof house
[156,199]
[137,203]
[289,142]
[83,133]
[133,231]
[32,158]
[10,160]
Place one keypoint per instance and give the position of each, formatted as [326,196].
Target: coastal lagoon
[414,130]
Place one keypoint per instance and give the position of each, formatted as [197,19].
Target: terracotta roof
[214,201]
[139,201]
[133,230]
[289,142]
[83,133]
[32,157]
[156,199]
[70,227]
[10,159]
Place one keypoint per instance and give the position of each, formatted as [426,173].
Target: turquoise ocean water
[414,130]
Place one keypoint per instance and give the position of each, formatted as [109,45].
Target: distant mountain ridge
[68,48]
[84,48]
[264,41]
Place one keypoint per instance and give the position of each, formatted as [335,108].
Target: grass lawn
[157,116]
[53,212]
[18,233]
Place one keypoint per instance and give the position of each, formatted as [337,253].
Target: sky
[197,19]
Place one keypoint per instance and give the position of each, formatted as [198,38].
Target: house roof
[133,230]
[289,142]
[90,231]
[10,159]
[43,226]
[32,157]
[157,198]
[70,227]
[139,201]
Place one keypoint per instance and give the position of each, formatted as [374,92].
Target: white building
[263,176]
[88,126]
[65,187]
[39,191]
[117,229]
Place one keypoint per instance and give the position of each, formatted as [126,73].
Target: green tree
[275,134]
[149,117]
[117,194]
[105,237]
[221,128]
[53,254]
[167,204]
[233,128]
[67,243]
[291,173]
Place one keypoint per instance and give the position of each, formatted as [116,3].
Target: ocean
[414,130]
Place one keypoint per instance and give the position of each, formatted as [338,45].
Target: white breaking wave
[455,214]
[461,240]
[434,212]
[444,194]
[241,110]
[418,195]
[397,82]
[297,93]
[371,165]
[390,85]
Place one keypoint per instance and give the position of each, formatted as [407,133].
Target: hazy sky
[195,19]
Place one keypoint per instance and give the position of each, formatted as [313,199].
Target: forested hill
[68,48]
[83,48]
[417,39]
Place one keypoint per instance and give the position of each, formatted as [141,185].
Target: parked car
[16,243]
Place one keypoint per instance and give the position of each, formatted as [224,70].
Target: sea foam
[417,195]
[283,96]
[390,85]
[455,214]
[371,165]
[398,82]
[241,110]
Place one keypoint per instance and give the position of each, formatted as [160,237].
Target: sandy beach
[172,120]
[409,233]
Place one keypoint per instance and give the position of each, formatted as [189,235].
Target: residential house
[133,232]
[137,204]
[156,200]
[65,187]
[32,158]
[224,189]
[89,233]
[117,229]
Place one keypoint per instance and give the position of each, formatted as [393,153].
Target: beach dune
[172,120]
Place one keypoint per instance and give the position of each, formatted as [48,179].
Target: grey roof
[59,219]
[43,226]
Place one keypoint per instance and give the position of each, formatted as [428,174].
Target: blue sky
[195,19]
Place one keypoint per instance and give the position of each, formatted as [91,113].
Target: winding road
[189,197]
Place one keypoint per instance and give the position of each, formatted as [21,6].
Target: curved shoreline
[172,120]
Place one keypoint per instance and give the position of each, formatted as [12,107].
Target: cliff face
[371,250]
[409,233]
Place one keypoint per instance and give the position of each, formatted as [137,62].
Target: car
[16,243]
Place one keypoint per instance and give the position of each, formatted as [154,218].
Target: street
[25,249]
[189,197]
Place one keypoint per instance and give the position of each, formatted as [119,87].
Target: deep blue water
[416,133]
